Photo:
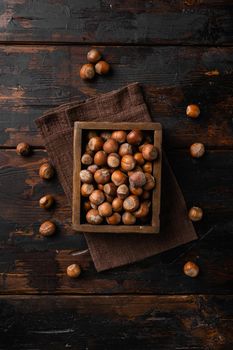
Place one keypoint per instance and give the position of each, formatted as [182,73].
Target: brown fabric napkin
[126,104]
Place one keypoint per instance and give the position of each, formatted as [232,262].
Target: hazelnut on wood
[193,111]
[119,136]
[149,152]
[131,203]
[125,148]
[102,176]
[102,67]
[119,178]
[139,158]
[137,179]
[86,190]
[86,159]
[23,149]
[46,201]
[128,162]
[97,197]
[195,214]
[46,171]
[122,191]
[93,56]
[87,71]
[128,218]
[148,167]
[86,176]
[135,137]
[95,143]
[110,189]
[47,228]
[114,219]
[73,271]
[105,209]
[93,217]
[191,269]
[150,182]
[100,158]
[110,146]
[113,160]
[197,150]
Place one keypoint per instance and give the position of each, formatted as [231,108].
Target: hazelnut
[195,214]
[86,159]
[86,190]
[150,182]
[48,228]
[128,162]
[46,202]
[93,217]
[137,168]
[137,179]
[113,160]
[149,152]
[191,269]
[92,168]
[136,190]
[46,171]
[109,198]
[94,206]
[117,204]
[125,148]
[122,191]
[86,176]
[95,143]
[197,150]
[102,67]
[114,219]
[93,56]
[141,146]
[100,158]
[100,187]
[87,71]
[143,210]
[139,158]
[119,136]
[135,137]
[131,203]
[97,197]
[106,135]
[110,146]
[102,176]
[88,151]
[119,178]
[148,167]
[91,133]
[128,218]
[105,209]
[146,194]
[23,149]
[73,271]
[192,111]
[87,205]
[110,189]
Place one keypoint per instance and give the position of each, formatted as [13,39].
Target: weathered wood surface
[130,22]
[118,322]
[35,78]
[33,264]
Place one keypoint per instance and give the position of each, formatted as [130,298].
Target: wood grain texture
[173,77]
[160,22]
[82,322]
[33,264]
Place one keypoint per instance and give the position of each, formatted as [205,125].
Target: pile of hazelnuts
[116,178]
[95,65]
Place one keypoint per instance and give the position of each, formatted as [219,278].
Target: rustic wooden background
[182,52]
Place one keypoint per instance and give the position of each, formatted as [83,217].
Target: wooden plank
[160,22]
[33,264]
[173,77]
[119,322]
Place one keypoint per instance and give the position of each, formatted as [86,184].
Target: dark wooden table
[181,51]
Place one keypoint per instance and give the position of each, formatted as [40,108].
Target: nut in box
[117,177]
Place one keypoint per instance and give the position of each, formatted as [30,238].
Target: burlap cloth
[126,104]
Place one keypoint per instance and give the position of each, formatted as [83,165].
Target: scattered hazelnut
[46,201]
[125,148]
[95,143]
[119,178]
[113,160]
[195,214]
[128,218]
[93,56]
[102,176]
[86,176]
[147,167]
[117,204]
[191,269]
[48,228]
[114,219]
[143,210]
[150,182]
[23,149]
[87,71]
[100,158]
[106,135]
[86,159]
[87,205]
[119,136]
[93,217]
[131,203]
[110,146]
[135,137]
[92,168]
[102,67]
[86,190]
[105,209]
[193,111]
[137,179]
[110,189]
[73,271]
[139,158]
[149,152]
[197,150]
[136,190]
[128,162]
[97,197]
[46,171]
[122,191]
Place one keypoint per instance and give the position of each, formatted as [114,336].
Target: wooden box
[78,217]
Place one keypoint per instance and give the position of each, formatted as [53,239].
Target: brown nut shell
[117,204]
[87,71]
[128,162]
[46,202]
[195,214]
[122,191]
[113,160]
[119,136]
[192,111]
[135,137]
[136,190]
[148,167]
[149,152]
[110,189]
[105,209]
[95,143]
[191,269]
[93,217]
[197,150]
[92,168]
[119,178]
[102,176]
[100,158]
[86,159]
[46,171]
[86,190]
[47,228]
[114,219]
[110,146]
[73,271]
[93,56]
[143,210]
[137,179]
[128,218]
[97,197]
[125,148]
[131,203]
[102,67]
[86,176]
[139,158]
[150,182]
[23,149]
